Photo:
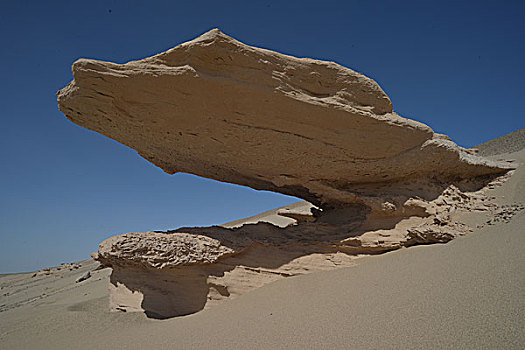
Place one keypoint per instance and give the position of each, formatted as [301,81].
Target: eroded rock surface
[151,273]
[224,110]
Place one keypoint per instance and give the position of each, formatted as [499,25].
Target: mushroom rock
[220,109]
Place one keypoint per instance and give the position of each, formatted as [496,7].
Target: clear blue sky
[456,66]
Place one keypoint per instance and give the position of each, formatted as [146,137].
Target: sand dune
[468,293]
[513,142]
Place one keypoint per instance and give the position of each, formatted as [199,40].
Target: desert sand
[468,294]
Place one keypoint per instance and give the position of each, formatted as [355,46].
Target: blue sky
[456,66]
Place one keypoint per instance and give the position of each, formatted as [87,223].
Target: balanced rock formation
[220,109]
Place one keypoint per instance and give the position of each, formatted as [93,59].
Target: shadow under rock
[185,290]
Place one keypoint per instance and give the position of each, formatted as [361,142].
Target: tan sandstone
[224,110]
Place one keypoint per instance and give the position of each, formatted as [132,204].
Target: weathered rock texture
[183,271]
[224,110]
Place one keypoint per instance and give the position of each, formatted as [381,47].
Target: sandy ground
[467,294]
[509,143]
